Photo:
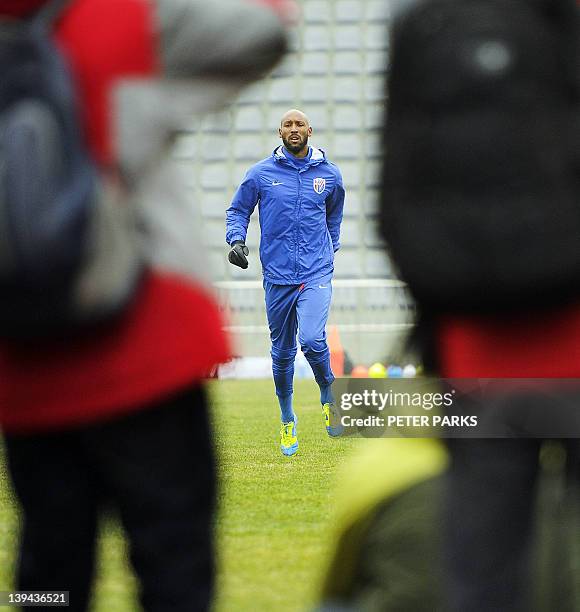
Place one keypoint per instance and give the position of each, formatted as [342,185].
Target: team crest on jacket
[319,184]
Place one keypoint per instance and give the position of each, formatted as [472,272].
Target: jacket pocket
[277,255]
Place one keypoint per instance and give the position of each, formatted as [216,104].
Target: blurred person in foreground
[387,531]
[480,212]
[301,198]
[117,415]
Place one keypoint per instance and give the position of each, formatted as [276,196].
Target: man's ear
[280,132]
[310,131]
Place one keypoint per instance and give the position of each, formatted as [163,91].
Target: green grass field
[275,513]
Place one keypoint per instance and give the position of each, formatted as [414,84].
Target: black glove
[237,255]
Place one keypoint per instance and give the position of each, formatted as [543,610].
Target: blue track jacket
[300,213]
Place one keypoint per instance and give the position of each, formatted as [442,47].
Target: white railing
[336,283]
[372,315]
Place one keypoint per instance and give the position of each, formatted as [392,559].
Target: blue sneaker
[332,420]
[289,438]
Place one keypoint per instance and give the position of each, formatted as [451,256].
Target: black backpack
[480,204]
[55,213]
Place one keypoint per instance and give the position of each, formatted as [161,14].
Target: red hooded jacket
[172,335]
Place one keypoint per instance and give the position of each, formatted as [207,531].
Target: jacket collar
[317,157]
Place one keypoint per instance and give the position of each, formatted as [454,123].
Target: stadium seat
[348,37]
[349,236]
[347,145]
[378,264]
[348,263]
[316,38]
[282,90]
[315,63]
[348,89]
[350,11]
[371,234]
[317,11]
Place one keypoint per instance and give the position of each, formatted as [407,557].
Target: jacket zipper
[297,229]
[297,215]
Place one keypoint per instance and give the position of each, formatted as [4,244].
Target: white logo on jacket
[319,184]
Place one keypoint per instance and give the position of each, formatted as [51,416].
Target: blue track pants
[303,309]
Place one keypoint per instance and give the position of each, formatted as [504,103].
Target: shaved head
[295,131]
[295,113]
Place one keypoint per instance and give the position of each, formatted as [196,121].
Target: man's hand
[237,255]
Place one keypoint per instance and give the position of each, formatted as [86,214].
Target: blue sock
[287,414]
[326,396]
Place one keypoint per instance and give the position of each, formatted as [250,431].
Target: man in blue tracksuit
[300,196]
